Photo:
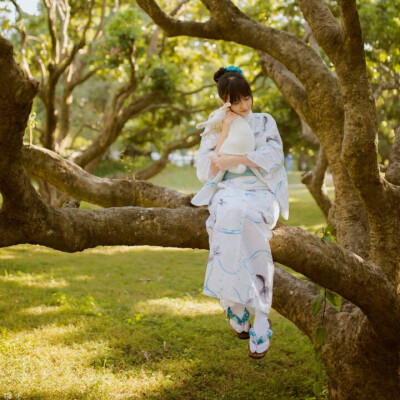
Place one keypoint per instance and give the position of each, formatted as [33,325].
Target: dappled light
[189,306]
[130,322]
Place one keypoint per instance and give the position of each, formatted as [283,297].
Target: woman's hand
[227,121]
[225,161]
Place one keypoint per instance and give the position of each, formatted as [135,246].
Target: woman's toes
[252,347]
[259,348]
[239,327]
[263,346]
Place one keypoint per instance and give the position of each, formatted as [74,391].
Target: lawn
[131,323]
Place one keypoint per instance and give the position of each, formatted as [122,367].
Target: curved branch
[324,25]
[72,179]
[360,143]
[51,23]
[112,127]
[176,27]
[73,229]
[287,83]
[293,298]
[183,93]
[79,78]
[341,271]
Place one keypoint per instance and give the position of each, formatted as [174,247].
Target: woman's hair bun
[219,73]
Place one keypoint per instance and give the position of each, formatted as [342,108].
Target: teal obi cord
[230,175]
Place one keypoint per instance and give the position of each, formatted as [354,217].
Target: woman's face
[241,107]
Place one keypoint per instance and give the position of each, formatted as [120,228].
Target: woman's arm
[268,154]
[223,135]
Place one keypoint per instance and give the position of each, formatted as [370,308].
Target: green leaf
[329,228]
[316,304]
[333,298]
[317,388]
[318,356]
[320,368]
[320,333]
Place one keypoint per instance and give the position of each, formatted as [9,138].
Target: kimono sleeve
[268,154]
[203,161]
[208,144]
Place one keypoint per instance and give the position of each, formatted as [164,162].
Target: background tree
[116,49]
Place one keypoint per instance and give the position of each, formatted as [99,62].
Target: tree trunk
[364,367]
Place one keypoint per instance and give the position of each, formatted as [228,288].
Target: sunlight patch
[31,280]
[127,249]
[54,369]
[82,278]
[6,255]
[179,306]
[40,310]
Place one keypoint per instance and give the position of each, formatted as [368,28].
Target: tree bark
[72,179]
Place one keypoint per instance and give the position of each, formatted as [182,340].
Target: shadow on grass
[137,317]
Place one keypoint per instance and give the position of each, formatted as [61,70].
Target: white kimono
[243,210]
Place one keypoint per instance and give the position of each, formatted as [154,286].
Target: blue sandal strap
[259,339]
[239,320]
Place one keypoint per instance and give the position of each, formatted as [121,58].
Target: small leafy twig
[32,123]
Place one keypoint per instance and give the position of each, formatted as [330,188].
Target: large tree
[362,342]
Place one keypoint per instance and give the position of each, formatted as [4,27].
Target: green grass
[131,323]
[179,178]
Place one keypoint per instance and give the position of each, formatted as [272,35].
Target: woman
[243,210]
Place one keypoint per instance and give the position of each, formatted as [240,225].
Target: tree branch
[72,179]
[112,127]
[334,267]
[71,229]
[51,22]
[176,27]
[324,25]
[360,143]
[293,298]
[287,83]
[183,93]
[79,79]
